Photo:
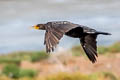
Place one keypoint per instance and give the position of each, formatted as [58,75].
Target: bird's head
[39,27]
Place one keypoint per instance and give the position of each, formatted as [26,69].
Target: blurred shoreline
[35,65]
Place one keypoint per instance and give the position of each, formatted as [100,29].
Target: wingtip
[94,61]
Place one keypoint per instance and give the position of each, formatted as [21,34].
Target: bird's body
[75,33]
[55,31]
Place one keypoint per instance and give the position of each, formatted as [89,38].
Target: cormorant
[56,29]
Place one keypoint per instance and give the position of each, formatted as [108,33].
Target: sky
[17,17]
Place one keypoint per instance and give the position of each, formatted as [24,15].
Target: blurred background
[22,47]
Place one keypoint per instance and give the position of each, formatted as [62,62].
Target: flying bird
[56,29]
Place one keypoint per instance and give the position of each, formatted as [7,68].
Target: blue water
[17,17]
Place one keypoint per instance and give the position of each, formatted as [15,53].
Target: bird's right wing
[88,43]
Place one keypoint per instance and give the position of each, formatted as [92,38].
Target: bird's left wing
[88,43]
[52,38]
[54,32]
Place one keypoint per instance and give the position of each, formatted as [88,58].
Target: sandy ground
[68,63]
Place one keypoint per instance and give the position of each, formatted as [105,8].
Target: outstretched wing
[54,32]
[88,43]
[52,38]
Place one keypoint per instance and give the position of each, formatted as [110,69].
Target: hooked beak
[35,27]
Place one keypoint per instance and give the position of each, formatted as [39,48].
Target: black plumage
[56,29]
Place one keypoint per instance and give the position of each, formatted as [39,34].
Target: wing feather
[88,43]
[90,54]
[55,31]
[51,41]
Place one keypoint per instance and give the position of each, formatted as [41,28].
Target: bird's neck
[43,28]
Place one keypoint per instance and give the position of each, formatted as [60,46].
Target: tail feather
[104,33]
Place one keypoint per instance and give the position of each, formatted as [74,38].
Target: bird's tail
[104,33]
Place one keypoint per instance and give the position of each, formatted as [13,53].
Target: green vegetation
[11,70]
[39,56]
[12,62]
[102,49]
[27,73]
[115,48]
[14,71]
[11,66]
[79,76]
[17,57]
[109,76]
[69,76]
[9,60]
[77,50]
